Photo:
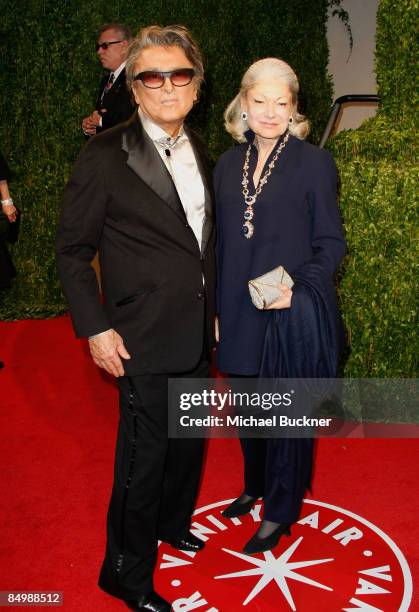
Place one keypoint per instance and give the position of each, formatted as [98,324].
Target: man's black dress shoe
[238,508]
[149,603]
[187,542]
[257,544]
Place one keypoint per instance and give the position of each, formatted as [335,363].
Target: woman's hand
[10,211]
[284,301]
[217,329]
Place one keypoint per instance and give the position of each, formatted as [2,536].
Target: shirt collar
[250,137]
[158,135]
[118,71]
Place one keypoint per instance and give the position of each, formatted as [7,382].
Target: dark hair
[123,30]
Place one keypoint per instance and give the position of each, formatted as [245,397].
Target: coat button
[200,295]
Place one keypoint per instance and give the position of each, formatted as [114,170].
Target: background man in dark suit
[141,194]
[114,102]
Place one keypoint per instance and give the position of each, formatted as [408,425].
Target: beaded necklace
[248,227]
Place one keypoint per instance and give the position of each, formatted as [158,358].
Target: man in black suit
[141,194]
[114,102]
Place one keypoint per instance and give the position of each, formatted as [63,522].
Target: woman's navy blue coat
[297,222]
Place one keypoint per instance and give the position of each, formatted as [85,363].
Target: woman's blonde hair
[269,67]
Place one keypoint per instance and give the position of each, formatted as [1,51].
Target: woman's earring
[290,120]
[244,116]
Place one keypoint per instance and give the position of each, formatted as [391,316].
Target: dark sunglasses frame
[168,74]
[106,44]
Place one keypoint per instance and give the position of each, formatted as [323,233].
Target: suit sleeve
[79,232]
[327,240]
[4,169]
[120,111]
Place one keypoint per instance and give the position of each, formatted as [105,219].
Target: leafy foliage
[336,9]
[49,75]
[377,286]
[379,176]
[396,58]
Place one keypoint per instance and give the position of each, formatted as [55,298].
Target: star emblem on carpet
[278,569]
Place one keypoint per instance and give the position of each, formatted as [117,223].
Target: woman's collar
[251,137]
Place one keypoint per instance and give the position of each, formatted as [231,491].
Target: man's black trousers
[155,484]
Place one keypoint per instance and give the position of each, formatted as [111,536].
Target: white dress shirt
[183,167]
[118,71]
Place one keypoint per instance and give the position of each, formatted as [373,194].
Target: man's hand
[107,350]
[90,123]
[284,301]
[95,118]
[88,127]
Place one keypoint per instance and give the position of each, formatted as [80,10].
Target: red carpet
[355,546]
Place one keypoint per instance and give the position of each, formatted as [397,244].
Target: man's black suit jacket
[121,200]
[117,102]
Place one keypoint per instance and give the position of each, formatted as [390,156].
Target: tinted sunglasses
[106,44]
[155,79]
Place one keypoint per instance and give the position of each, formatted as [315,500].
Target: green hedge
[379,177]
[377,285]
[397,57]
[50,72]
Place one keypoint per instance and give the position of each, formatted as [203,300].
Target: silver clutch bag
[264,289]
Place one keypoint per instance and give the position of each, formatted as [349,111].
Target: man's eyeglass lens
[106,44]
[154,80]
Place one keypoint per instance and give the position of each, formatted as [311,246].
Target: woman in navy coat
[276,205]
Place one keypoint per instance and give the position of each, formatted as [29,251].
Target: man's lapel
[205,170]
[145,161]
[99,94]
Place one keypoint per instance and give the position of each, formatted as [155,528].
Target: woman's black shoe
[257,544]
[238,508]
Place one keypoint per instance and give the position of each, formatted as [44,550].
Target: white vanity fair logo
[334,560]
[277,569]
